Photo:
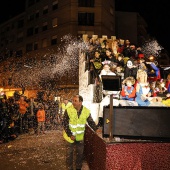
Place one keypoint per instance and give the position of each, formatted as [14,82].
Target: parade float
[133,137]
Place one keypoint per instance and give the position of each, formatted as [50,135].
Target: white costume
[106,99]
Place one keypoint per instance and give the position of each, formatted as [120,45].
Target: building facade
[27,38]
[34,35]
[44,23]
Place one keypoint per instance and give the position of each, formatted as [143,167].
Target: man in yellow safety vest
[74,121]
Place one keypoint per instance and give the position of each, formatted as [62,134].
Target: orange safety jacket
[41,115]
[23,107]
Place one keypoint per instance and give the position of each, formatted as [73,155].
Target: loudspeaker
[151,123]
[111,82]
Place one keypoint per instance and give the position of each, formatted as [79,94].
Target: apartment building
[41,26]
[44,23]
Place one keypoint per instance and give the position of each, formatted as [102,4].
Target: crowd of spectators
[20,115]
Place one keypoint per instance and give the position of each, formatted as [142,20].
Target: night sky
[155,12]
[10,8]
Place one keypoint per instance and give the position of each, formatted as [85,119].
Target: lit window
[44,42]
[54,22]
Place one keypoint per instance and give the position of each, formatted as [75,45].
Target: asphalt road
[32,152]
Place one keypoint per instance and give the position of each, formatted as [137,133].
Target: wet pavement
[32,152]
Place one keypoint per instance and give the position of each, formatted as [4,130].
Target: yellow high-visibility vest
[76,125]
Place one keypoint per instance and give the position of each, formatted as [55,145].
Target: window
[44,42]
[36,30]
[31,17]
[20,23]
[29,47]
[86,3]
[44,28]
[45,10]
[37,14]
[55,5]
[35,45]
[30,31]
[54,40]
[20,37]
[86,19]
[54,22]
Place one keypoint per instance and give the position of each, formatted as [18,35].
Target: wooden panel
[139,122]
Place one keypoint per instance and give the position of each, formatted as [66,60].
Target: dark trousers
[23,123]
[74,155]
